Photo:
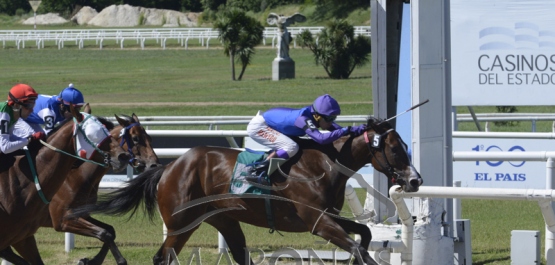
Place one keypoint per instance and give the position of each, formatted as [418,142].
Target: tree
[239,35]
[337,49]
[9,7]
[326,9]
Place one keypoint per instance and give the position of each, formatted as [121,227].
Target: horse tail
[128,198]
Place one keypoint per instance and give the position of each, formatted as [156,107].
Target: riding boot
[257,172]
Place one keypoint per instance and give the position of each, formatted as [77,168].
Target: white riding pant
[261,133]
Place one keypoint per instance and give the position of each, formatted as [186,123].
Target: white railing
[494,117]
[140,36]
[213,121]
[544,198]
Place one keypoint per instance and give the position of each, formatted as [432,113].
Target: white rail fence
[214,121]
[544,197]
[140,36]
[495,117]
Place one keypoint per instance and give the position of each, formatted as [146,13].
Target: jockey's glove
[346,130]
[358,130]
[37,136]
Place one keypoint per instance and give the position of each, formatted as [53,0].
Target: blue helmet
[71,95]
[326,105]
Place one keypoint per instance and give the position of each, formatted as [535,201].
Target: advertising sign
[503,52]
[501,174]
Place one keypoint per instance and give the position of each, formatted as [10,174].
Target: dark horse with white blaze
[26,188]
[194,187]
[81,187]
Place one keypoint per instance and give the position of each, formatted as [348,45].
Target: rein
[66,153]
[376,144]
[80,129]
[35,177]
[32,166]
[126,139]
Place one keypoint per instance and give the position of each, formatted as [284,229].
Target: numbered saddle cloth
[245,161]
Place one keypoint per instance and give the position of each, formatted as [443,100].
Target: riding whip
[413,107]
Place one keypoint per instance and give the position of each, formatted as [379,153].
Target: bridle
[126,139]
[79,128]
[376,145]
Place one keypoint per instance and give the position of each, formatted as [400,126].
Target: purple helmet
[326,105]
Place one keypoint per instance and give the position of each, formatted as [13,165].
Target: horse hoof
[84,261]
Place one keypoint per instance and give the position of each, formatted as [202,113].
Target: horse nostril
[123,157]
[415,182]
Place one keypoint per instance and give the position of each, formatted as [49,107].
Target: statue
[284,36]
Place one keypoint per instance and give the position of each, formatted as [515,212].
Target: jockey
[21,100]
[274,127]
[49,110]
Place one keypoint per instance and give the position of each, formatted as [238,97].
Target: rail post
[549,236]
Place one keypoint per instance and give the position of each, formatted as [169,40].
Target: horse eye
[135,139]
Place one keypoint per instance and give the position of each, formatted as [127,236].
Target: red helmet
[21,93]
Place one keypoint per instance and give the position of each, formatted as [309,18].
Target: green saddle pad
[245,161]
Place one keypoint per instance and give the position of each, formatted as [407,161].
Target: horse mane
[379,125]
[108,124]
[57,127]
[307,143]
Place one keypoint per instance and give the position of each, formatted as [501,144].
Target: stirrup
[259,179]
[259,168]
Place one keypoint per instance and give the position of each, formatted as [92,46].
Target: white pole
[35,14]
[354,203]
[549,236]
[164,232]
[457,209]
[70,242]
[222,245]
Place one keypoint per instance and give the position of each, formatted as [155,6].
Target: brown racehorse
[81,187]
[20,199]
[194,188]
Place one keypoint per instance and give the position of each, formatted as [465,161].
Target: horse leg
[28,249]
[233,235]
[93,228]
[327,228]
[174,243]
[352,227]
[8,255]
[110,242]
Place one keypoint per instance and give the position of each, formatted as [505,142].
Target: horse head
[389,154]
[94,142]
[133,138]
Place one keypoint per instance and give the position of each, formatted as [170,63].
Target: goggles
[330,118]
[27,105]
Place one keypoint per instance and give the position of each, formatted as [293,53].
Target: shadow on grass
[356,77]
[491,261]
[320,77]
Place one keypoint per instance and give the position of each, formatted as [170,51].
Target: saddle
[246,161]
